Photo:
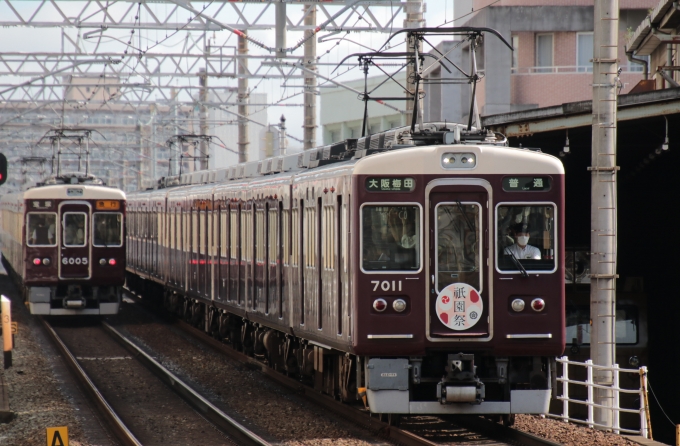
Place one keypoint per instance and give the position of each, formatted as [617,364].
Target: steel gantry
[153,58]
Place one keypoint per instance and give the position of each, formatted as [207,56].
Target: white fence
[616,391]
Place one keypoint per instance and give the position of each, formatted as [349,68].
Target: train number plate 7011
[386,285]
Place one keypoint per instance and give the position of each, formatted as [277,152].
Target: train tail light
[37,261]
[399,305]
[538,304]
[112,262]
[380,305]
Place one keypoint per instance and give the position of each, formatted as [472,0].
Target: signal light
[3,169]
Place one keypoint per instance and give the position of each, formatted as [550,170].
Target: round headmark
[459,306]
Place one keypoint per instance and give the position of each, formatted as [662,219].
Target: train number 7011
[386,285]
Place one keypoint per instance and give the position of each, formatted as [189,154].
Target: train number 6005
[74,261]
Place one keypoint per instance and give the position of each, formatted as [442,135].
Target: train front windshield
[108,229]
[526,237]
[391,238]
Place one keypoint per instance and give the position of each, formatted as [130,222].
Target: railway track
[142,402]
[415,431]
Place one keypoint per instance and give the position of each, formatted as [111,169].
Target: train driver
[521,249]
[74,232]
[43,234]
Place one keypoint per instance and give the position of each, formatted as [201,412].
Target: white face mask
[522,240]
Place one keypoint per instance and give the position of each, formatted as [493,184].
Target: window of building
[544,52]
[584,52]
[515,52]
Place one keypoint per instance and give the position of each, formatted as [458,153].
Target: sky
[331,51]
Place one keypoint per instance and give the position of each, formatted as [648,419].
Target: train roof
[490,160]
[61,191]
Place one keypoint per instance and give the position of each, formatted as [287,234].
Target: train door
[202,263]
[459,300]
[194,234]
[74,247]
[234,253]
[260,289]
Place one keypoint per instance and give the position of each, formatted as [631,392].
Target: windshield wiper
[467,220]
[517,263]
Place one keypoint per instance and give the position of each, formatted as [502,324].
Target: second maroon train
[425,268]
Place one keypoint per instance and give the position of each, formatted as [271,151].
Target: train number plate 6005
[74,261]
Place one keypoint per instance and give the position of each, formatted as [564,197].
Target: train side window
[525,234]
[295,238]
[285,236]
[75,232]
[390,238]
[233,229]
[41,229]
[273,238]
[108,229]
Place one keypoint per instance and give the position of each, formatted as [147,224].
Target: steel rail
[392,433]
[220,419]
[120,430]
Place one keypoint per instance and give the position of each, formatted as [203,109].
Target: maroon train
[397,264]
[64,244]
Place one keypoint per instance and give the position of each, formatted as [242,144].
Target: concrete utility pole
[603,202]
[243,99]
[281,28]
[310,80]
[203,120]
[414,19]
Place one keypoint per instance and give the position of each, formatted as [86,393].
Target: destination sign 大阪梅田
[380,184]
[527,184]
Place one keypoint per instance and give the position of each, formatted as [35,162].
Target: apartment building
[552,59]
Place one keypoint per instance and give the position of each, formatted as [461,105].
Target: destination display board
[385,184]
[527,184]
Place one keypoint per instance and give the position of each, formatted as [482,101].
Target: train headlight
[634,361]
[46,261]
[399,305]
[380,305]
[37,262]
[517,305]
[102,262]
[112,262]
[538,304]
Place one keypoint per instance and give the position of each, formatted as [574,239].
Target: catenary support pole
[603,238]
[310,79]
[414,19]
[243,99]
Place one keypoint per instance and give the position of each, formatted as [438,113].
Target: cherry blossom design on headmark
[459,306]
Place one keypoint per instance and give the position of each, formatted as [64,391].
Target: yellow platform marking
[57,436]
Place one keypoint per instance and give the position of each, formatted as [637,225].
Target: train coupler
[461,383]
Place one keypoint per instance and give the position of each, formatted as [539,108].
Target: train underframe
[443,382]
[73,299]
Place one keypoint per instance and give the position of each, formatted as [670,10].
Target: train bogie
[431,276]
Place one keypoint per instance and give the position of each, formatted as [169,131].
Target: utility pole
[242,100]
[203,119]
[414,19]
[281,29]
[603,220]
[310,79]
